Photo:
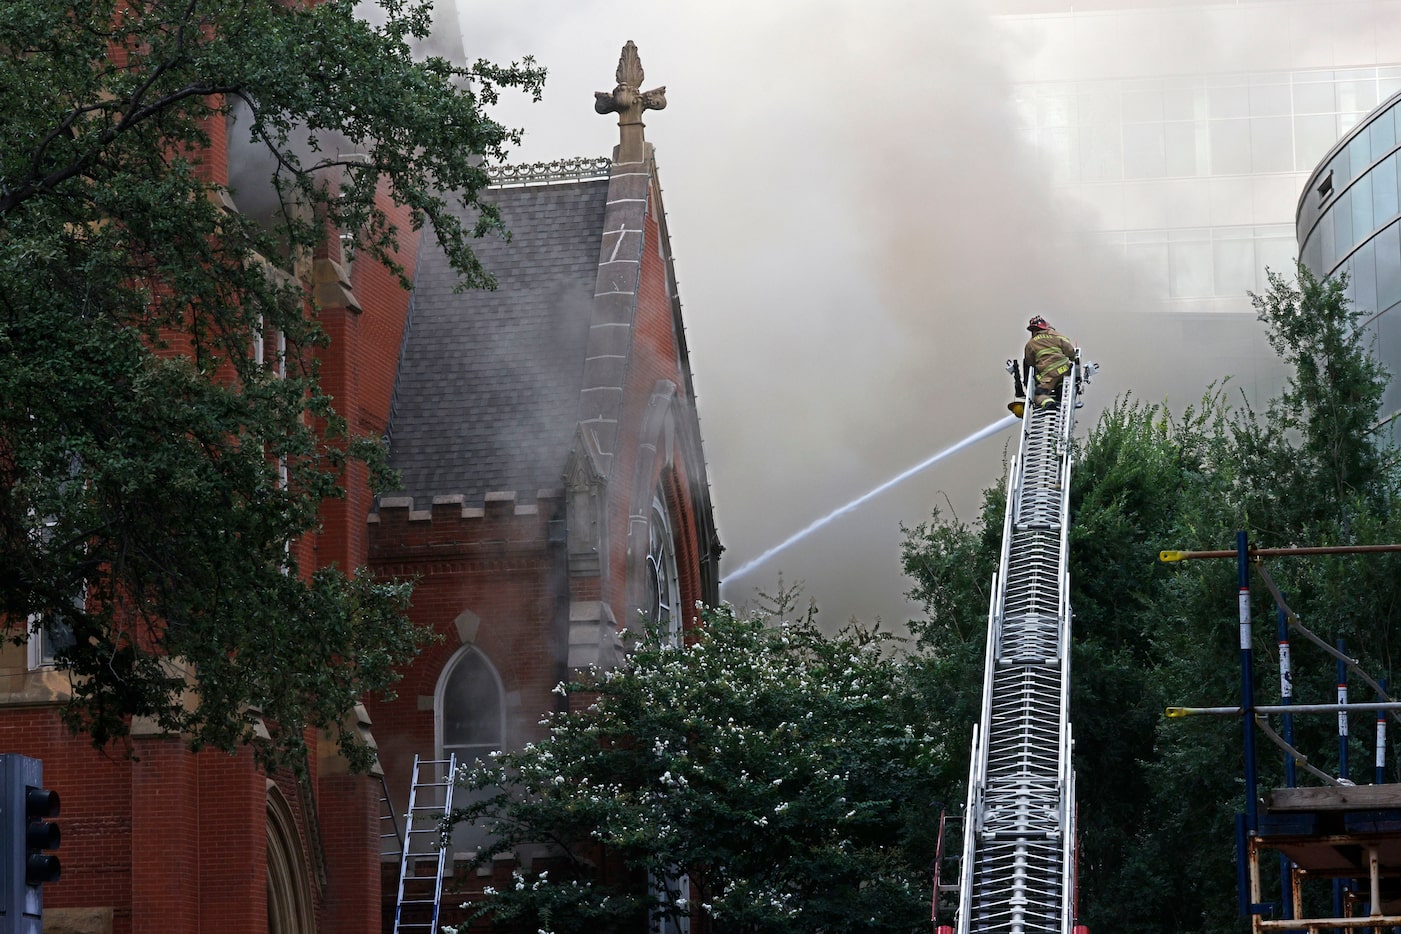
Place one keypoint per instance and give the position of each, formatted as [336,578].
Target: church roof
[488,384]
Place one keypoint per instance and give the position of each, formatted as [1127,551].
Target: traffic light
[26,809]
[40,834]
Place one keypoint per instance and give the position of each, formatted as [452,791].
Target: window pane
[1357,95]
[1276,254]
[1143,150]
[1269,100]
[1151,261]
[1324,232]
[1271,144]
[1312,256]
[1383,135]
[1235,266]
[1314,98]
[1388,259]
[1338,235]
[1364,278]
[1388,348]
[1342,170]
[1228,102]
[1184,104]
[1191,270]
[1184,145]
[1359,152]
[1230,147]
[1361,209]
[1143,106]
[1232,201]
[1384,204]
[1313,137]
[471,704]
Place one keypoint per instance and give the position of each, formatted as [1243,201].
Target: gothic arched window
[663,590]
[471,718]
[471,723]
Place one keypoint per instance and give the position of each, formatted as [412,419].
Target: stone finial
[628,100]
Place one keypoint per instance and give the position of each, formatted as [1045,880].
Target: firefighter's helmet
[1037,323]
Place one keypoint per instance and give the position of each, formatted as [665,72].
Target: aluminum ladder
[425,852]
[1018,872]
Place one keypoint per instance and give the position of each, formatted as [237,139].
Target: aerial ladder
[1017,871]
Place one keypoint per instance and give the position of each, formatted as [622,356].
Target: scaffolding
[1340,833]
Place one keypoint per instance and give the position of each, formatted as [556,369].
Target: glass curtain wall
[1348,222]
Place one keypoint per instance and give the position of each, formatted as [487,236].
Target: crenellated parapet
[400,529]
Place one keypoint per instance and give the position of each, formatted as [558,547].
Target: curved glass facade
[1349,220]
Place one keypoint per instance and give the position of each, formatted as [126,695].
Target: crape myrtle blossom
[819,742]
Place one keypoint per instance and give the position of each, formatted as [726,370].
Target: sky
[860,236]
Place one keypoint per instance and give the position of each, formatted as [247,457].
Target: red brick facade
[508,579]
[178,842]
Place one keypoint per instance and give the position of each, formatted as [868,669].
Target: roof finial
[628,100]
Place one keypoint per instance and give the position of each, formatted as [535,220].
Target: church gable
[553,483]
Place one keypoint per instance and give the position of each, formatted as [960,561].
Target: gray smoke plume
[861,233]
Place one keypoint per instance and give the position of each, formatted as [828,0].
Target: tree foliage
[152,471]
[785,772]
[1157,798]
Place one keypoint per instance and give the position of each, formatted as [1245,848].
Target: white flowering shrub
[786,774]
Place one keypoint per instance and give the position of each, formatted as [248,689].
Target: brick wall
[491,580]
[655,356]
[357,371]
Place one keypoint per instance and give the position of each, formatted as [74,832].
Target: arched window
[289,886]
[471,722]
[663,589]
[471,714]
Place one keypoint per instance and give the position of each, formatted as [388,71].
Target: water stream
[796,537]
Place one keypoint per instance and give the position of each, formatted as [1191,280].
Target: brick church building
[553,492]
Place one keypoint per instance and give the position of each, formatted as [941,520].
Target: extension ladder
[1018,874]
[425,849]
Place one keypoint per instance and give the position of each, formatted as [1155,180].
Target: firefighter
[1050,355]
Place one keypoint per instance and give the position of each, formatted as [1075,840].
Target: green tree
[1157,798]
[142,510]
[787,773]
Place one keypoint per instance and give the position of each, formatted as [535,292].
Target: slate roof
[487,394]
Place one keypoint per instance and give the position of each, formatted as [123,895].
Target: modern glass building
[1185,130]
[1348,221]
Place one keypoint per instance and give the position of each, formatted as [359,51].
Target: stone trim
[494,502]
[594,640]
[558,171]
[609,345]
